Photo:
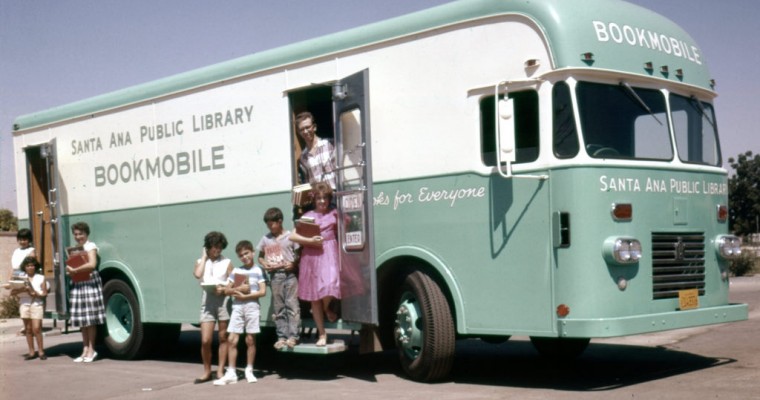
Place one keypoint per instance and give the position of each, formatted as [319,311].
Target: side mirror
[506,130]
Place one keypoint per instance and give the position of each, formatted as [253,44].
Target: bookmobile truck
[548,169]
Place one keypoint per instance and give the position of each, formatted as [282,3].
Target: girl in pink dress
[319,269]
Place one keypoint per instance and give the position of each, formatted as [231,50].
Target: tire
[424,329]
[560,349]
[125,334]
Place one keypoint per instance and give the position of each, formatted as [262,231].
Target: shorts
[214,308]
[31,311]
[245,318]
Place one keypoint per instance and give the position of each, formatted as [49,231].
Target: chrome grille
[678,263]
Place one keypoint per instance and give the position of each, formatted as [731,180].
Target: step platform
[333,346]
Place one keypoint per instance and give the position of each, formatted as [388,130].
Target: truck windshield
[695,129]
[620,121]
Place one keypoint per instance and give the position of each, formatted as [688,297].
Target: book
[273,254]
[307,229]
[77,257]
[301,195]
[15,284]
[239,280]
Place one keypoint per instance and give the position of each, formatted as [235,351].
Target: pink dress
[319,270]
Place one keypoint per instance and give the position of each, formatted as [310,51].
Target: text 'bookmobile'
[541,168]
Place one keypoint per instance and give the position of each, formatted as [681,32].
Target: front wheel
[125,334]
[424,329]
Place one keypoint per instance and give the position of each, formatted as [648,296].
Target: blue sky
[54,52]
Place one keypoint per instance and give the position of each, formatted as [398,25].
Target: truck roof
[589,34]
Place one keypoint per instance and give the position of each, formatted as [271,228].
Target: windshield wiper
[701,110]
[632,92]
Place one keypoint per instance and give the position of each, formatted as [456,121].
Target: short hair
[33,261]
[214,239]
[243,245]
[322,188]
[81,226]
[24,233]
[304,115]
[273,214]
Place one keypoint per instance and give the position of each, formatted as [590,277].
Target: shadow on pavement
[514,363]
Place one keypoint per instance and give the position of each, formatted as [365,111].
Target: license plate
[688,299]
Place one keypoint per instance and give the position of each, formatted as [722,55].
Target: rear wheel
[424,329]
[560,348]
[125,333]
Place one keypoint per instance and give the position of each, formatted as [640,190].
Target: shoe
[322,342]
[202,380]
[291,342]
[280,343]
[79,359]
[30,356]
[90,359]
[249,375]
[229,378]
[43,357]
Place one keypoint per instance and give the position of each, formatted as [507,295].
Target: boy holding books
[277,254]
[245,285]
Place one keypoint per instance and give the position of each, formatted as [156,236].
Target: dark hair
[243,245]
[322,188]
[33,261]
[304,115]
[81,226]
[214,239]
[273,214]
[24,233]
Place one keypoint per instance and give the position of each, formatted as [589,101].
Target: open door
[354,199]
[44,213]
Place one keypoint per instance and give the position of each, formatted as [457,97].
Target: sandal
[291,343]
[322,342]
[280,343]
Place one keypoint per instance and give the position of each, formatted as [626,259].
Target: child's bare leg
[29,335]
[232,341]
[223,348]
[317,313]
[37,329]
[207,337]
[250,354]
[330,314]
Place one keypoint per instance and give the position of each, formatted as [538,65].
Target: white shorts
[31,311]
[245,318]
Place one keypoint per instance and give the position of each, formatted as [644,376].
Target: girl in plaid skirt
[86,297]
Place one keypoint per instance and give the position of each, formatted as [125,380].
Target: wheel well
[113,273]
[390,277]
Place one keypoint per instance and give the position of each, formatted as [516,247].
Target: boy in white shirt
[245,285]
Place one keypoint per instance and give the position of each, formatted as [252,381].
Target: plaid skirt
[86,302]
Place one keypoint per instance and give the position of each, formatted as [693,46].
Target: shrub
[744,265]
[9,307]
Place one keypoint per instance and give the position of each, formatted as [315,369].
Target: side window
[565,136]
[526,127]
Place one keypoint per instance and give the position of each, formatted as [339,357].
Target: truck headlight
[621,250]
[728,246]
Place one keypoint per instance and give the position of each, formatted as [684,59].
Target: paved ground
[720,361]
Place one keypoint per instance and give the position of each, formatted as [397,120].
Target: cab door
[354,198]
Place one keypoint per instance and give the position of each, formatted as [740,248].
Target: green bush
[9,307]
[744,265]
